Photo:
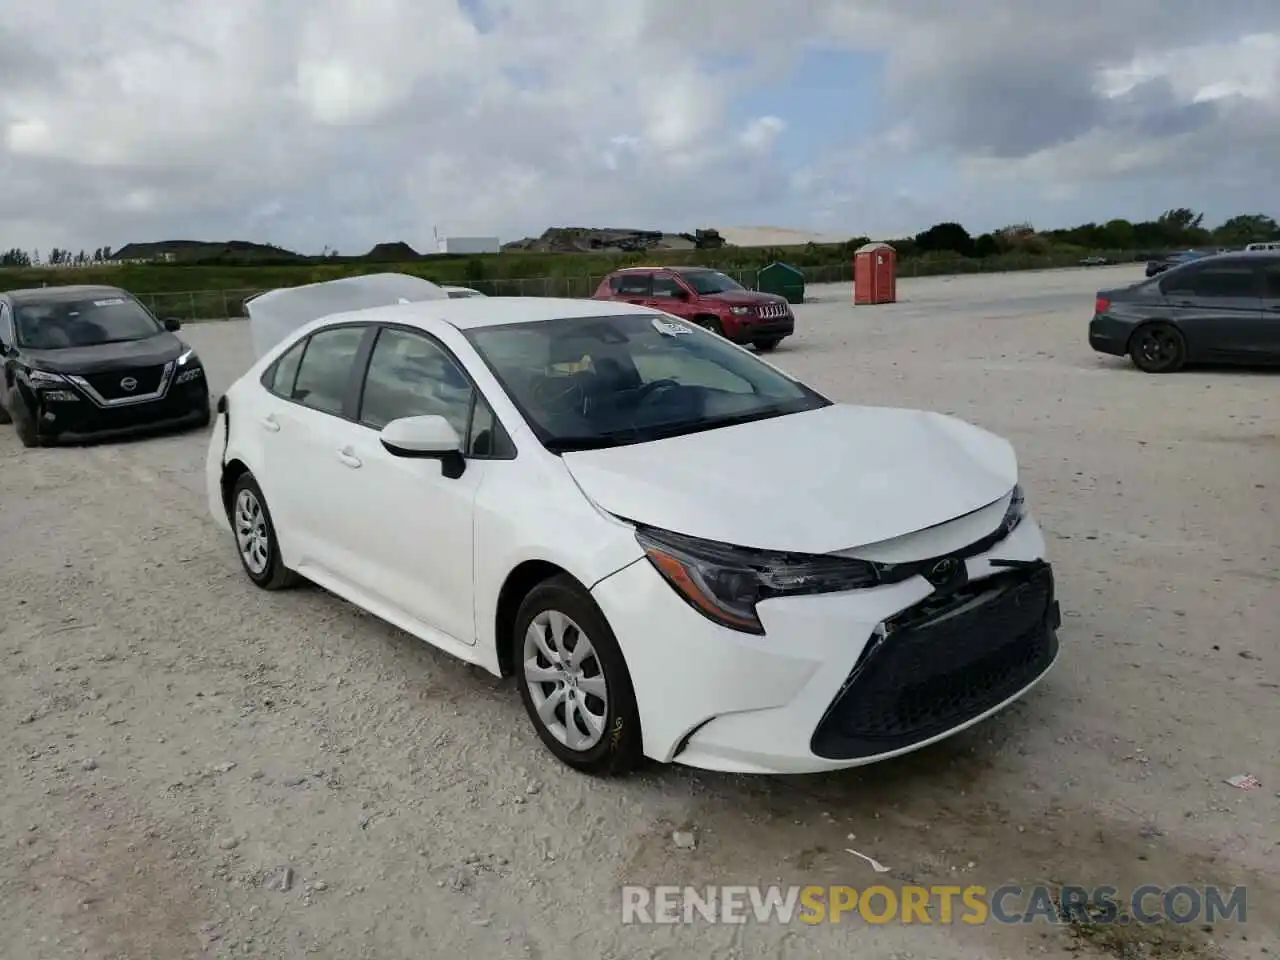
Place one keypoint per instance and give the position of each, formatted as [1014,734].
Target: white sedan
[679,551]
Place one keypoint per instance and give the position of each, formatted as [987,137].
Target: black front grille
[108,385]
[944,661]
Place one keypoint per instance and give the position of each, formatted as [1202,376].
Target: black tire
[1158,348]
[618,749]
[710,323]
[768,346]
[273,575]
[24,422]
[5,417]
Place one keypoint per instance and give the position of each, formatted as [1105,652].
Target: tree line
[57,257]
[1179,228]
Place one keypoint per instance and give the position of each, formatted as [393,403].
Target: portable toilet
[875,274]
[782,279]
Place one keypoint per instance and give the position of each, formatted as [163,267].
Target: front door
[1269,338]
[416,523]
[670,296]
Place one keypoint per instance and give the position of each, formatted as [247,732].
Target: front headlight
[725,583]
[188,357]
[44,379]
[739,311]
[1016,511]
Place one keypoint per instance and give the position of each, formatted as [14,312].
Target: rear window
[1213,282]
[631,284]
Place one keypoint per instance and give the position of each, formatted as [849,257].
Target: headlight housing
[739,311]
[1014,514]
[188,357]
[724,583]
[44,378]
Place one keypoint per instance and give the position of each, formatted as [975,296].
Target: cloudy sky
[347,122]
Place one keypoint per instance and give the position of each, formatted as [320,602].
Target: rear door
[634,288]
[1218,306]
[308,422]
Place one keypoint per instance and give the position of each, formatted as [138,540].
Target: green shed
[782,279]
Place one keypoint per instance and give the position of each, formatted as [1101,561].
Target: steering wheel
[654,387]
[552,391]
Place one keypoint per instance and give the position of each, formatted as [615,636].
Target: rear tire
[1158,348]
[574,681]
[256,541]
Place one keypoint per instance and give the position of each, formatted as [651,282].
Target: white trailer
[470,245]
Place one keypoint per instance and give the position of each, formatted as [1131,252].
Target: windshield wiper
[714,423]
[596,441]
[626,437]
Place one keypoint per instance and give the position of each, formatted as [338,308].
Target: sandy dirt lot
[200,769]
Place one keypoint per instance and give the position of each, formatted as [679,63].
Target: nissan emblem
[129,384]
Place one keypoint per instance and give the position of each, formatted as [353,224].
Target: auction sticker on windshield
[669,328]
[108,303]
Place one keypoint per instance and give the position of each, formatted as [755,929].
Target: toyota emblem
[129,384]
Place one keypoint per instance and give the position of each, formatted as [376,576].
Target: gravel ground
[199,769]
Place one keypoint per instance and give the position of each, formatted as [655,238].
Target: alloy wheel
[251,533]
[565,680]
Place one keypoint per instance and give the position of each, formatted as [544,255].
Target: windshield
[589,382]
[61,324]
[710,281]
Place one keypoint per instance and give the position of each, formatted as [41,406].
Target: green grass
[217,291]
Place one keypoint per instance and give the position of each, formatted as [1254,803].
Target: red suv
[705,297]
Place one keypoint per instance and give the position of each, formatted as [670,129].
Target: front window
[590,382]
[62,324]
[711,281]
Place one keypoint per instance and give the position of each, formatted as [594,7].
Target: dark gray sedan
[1217,309]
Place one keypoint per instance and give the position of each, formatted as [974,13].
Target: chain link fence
[229,304]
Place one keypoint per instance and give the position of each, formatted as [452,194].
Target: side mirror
[172,324]
[426,438]
[680,294]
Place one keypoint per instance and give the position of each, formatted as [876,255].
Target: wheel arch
[232,471]
[519,582]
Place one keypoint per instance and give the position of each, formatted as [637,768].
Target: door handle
[269,422]
[348,458]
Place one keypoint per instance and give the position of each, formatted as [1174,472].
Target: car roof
[64,293]
[471,313]
[686,269]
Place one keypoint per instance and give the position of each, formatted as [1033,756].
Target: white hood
[277,313]
[816,482]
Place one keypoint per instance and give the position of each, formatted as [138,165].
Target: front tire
[24,422]
[574,680]
[710,323]
[256,541]
[1158,348]
[768,346]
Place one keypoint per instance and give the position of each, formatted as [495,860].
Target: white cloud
[346,123]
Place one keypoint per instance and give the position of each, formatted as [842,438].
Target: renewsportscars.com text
[1148,904]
